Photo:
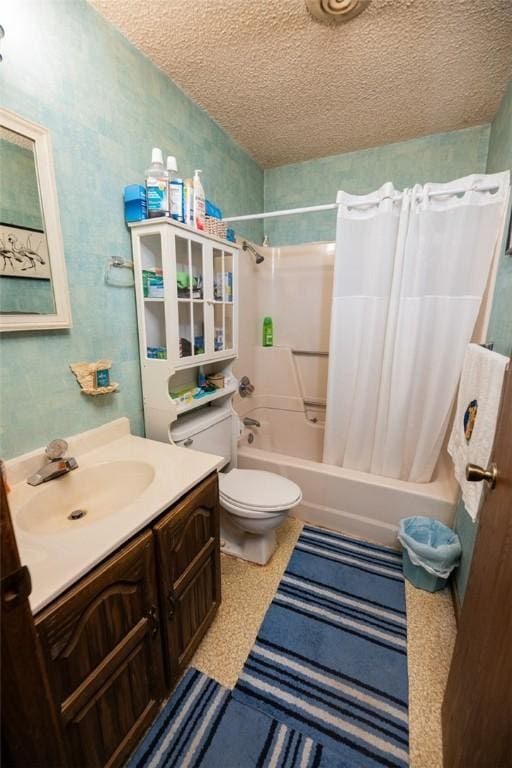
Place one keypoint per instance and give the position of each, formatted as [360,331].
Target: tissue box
[135,203]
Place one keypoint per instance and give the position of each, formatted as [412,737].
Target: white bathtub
[345,500]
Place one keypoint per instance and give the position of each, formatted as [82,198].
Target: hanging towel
[474,426]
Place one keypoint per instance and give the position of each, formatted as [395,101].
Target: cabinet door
[104,656]
[188,255]
[224,291]
[189,564]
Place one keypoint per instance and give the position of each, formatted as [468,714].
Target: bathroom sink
[84,496]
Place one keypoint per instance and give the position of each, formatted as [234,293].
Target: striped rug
[203,726]
[330,657]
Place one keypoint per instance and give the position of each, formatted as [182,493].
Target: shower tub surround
[294,286]
[358,503]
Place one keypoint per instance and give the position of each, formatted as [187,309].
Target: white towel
[478,402]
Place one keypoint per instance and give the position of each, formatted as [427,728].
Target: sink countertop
[57,560]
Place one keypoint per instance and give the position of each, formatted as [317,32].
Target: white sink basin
[97,491]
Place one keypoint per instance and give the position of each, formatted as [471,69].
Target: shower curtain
[410,272]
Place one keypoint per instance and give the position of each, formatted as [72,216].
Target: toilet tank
[208,430]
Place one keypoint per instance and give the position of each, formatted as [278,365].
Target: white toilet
[253,503]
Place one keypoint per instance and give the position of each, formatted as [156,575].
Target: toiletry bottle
[198,201]
[175,190]
[201,377]
[157,186]
[188,202]
[268,332]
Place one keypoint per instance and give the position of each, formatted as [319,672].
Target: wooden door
[188,551]
[104,657]
[31,732]
[477,708]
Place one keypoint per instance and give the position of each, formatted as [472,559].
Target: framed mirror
[33,281]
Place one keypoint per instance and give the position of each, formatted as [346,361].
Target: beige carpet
[247,592]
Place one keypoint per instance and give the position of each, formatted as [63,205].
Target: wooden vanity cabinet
[103,653]
[188,554]
[110,660]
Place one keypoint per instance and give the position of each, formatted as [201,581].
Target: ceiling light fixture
[336,10]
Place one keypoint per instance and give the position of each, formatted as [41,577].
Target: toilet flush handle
[188,442]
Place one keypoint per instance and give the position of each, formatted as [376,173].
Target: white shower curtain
[408,281]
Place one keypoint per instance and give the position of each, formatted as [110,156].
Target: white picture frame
[61,318]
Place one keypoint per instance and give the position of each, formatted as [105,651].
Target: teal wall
[106,106]
[441,157]
[500,325]
[19,206]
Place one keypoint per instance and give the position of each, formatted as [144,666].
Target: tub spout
[248,422]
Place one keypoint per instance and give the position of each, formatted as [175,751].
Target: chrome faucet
[57,465]
[248,422]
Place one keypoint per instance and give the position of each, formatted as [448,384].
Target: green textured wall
[440,157]
[500,325]
[19,205]
[106,106]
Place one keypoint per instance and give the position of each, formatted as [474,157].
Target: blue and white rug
[203,726]
[330,658]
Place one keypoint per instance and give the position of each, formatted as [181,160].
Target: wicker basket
[217,379]
[215,227]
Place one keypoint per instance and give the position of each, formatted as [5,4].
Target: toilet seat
[253,491]
[251,514]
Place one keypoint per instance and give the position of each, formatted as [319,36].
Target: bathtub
[357,503]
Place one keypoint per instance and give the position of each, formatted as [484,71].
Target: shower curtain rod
[332,206]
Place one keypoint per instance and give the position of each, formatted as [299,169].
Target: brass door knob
[475,474]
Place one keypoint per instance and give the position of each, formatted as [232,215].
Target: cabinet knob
[153,619]
[172,604]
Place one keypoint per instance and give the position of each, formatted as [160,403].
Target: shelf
[185,407]
[151,298]
[187,230]
[188,301]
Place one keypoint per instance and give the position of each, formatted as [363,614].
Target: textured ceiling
[288,88]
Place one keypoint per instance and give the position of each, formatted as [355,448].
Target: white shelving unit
[194,323]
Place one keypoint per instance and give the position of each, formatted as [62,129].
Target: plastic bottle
[201,377]
[198,201]
[175,190]
[188,203]
[268,332]
[157,183]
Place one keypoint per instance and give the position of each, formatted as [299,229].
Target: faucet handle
[56,449]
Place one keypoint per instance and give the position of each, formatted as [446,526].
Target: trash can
[431,552]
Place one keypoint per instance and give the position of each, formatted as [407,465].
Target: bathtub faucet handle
[245,387]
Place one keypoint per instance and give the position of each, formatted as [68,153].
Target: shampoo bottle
[157,183]
[175,190]
[199,204]
[268,332]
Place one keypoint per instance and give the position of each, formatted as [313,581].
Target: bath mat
[330,656]
[202,726]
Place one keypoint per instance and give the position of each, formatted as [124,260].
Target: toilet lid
[255,489]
